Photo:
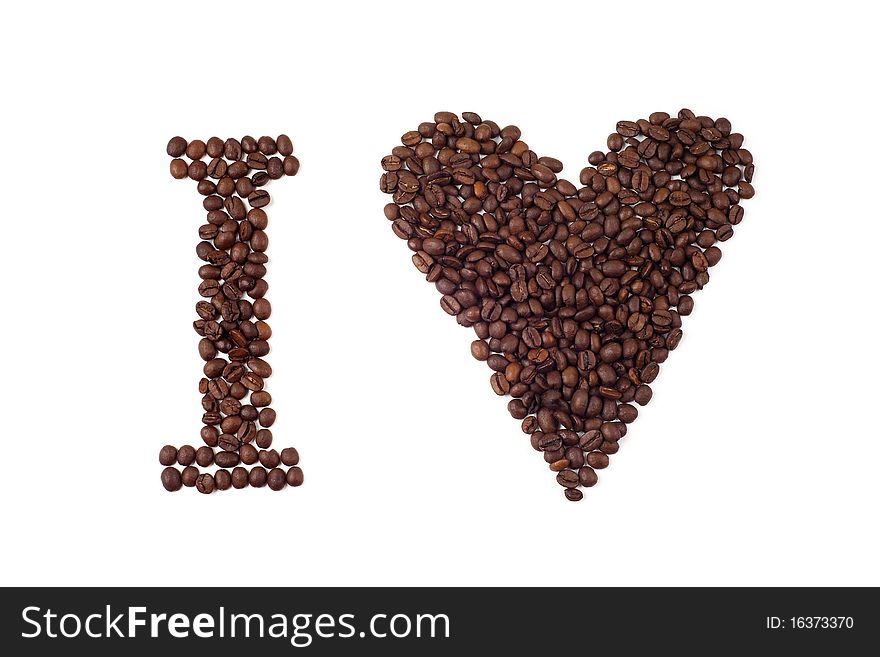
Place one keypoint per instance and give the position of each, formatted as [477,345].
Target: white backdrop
[755,463]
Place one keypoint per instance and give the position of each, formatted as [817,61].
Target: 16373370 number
[810,623]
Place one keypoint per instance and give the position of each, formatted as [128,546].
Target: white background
[756,462]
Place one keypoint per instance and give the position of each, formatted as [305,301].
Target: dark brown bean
[294,476]
[171,479]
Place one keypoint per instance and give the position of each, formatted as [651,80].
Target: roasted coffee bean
[231,317]
[597,460]
[226,459]
[179,169]
[269,458]
[643,395]
[239,477]
[480,349]
[575,294]
[257,476]
[289,456]
[171,479]
[267,145]
[176,146]
[277,479]
[567,478]
[260,367]
[500,385]
[205,483]
[261,398]
[204,456]
[222,480]
[573,494]
[210,436]
[291,165]
[246,432]
[189,475]
[284,145]
[294,476]
[252,382]
[267,417]
[196,149]
[186,455]
[258,348]
[248,454]
[168,455]
[587,476]
[228,442]
[263,438]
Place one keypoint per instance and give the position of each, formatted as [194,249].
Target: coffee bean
[284,145]
[186,455]
[650,372]
[248,454]
[558,465]
[262,309]
[573,494]
[294,476]
[168,455]
[239,477]
[289,456]
[228,442]
[500,385]
[227,459]
[246,432]
[567,478]
[257,477]
[291,165]
[258,199]
[204,456]
[196,149]
[258,348]
[210,436]
[643,395]
[252,382]
[267,417]
[267,145]
[171,479]
[277,479]
[189,475]
[261,398]
[222,480]
[260,367]
[176,146]
[205,483]
[179,169]
[269,458]
[587,476]
[264,437]
[197,170]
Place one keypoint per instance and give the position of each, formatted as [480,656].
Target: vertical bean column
[232,317]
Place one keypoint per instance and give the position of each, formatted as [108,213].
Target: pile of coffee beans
[575,293]
[232,316]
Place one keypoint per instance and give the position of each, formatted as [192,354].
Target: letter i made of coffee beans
[232,317]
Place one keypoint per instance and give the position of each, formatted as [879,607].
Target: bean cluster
[232,316]
[576,294]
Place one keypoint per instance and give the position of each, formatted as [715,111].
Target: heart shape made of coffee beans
[575,293]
